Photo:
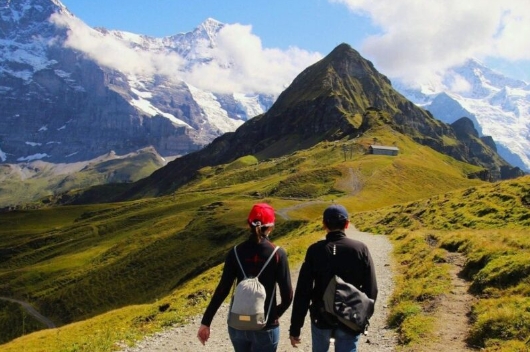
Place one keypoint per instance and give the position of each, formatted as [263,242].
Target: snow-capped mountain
[69,92]
[499,106]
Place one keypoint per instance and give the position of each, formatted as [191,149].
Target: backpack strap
[274,289]
[240,266]
[264,265]
[268,260]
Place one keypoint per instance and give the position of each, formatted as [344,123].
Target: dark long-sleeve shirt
[345,257]
[253,256]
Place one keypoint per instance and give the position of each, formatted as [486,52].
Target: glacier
[499,106]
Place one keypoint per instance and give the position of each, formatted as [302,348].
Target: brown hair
[260,231]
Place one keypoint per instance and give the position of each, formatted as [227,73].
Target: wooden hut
[383,150]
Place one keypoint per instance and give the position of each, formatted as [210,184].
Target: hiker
[335,255]
[253,254]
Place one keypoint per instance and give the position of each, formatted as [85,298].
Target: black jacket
[337,254]
[252,256]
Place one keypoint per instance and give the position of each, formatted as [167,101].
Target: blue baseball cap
[335,212]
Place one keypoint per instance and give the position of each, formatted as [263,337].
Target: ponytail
[260,232]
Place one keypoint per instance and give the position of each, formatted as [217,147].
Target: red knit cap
[261,214]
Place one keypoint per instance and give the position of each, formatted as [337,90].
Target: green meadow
[26,184]
[489,225]
[109,274]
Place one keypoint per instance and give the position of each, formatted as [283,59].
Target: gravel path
[379,338]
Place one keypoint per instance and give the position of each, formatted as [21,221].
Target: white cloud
[459,84]
[241,65]
[252,67]
[115,53]
[420,39]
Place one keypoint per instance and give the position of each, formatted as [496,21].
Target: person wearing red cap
[336,255]
[253,253]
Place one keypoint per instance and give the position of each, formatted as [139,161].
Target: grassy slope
[17,190]
[489,225]
[165,251]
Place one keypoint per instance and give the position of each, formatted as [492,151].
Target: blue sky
[407,39]
[315,25]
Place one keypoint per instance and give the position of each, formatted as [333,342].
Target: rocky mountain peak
[483,80]
[62,102]
[24,17]
[195,46]
[340,96]
[464,127]
[347,62]
[342,71]
[210,27]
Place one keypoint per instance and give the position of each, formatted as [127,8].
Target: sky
[411,40]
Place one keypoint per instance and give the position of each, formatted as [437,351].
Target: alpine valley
[107,262]
[62,107]
[59,105]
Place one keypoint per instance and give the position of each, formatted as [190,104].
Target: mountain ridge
[498,105]
[172,116]
[341,96]
[26,185]
[135,112]
[60,104]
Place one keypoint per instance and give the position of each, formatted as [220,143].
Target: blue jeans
[255,341]
[345,341]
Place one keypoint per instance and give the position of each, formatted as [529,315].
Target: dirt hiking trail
[452,311]
[379,338]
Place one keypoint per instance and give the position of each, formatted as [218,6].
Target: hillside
[135,252]
[152,252]
[23,185]
[341,96]
[310,149]
[486,225]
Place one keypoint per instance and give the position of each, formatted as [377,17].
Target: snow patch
[148,108]
[500,105]
[3,155]
[62,74]
[213,112]
[250,104]
[32,54]
[37,156]
[145,95]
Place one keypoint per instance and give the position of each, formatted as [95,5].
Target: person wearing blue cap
[335,255]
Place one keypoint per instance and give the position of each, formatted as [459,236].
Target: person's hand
[203,334]
[295,340]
